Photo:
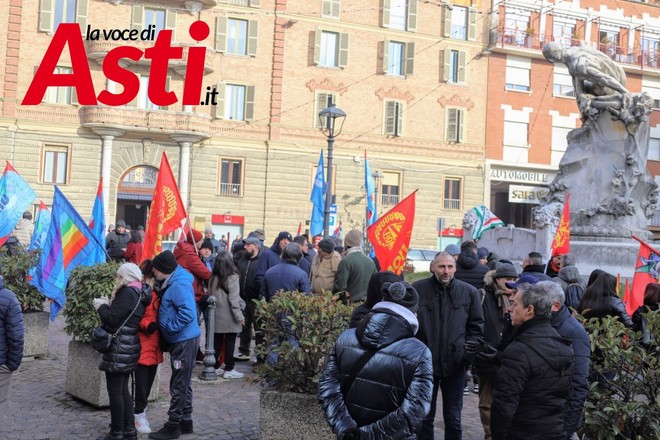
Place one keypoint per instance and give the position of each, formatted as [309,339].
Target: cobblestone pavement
[39,409]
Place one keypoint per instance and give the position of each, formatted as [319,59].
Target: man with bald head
[449,314]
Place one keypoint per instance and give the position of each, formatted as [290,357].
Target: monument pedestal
[613,255]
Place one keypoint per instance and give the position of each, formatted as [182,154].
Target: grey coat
[228,314]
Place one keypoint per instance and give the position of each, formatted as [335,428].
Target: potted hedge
[289,402]
[628,406]
[15,273]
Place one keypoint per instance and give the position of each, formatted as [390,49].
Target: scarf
[503,301]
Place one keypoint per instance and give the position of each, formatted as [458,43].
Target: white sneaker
[233,374]
[142,424]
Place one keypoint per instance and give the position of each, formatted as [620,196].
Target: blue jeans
[451,388]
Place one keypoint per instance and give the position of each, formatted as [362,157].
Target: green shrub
[315,322]
[14,271]
[85,284]
[628,406]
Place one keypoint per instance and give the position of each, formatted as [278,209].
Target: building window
[400,14]
[60,94]
[236,37]
[330,8]
[55,164]
[559,144]
[651,52]
[608,43]
[516,147]
[237,102]
[516,28]
[452,198]
[562,82]
[142,100]
[564,33]
[54,12]
[654,148]
[517,73]
[393,118]
[454,66]
[162,19]
[323,100]
[399,58]
[231,177]
[455,125]
[252,3]
[390,188]
[460,23]
[459,17]
[154,17]
[330,49]
[651,86]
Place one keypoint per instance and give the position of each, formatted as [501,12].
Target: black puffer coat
[12,329]
[533,385]
[392,393]
[125,349]
[470,270]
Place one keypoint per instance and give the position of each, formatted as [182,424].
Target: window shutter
[446,31]
[326,8]
[386,56]
[399,116]
[137,17]
[46,15]
[321,103]
[447,65]
[255,3]
[460,115]
[461,66]
[249,103]
[253,37]
[82,7]
[452,128]
[343,50]
[336,5]
[170,22]
[220,108]
[472,24]
[74,96]
[221,34]
[390,114]
[410,58]
[386,13]
[167,89]
[412,16]
[317,46]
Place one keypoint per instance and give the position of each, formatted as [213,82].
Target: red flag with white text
[647,267]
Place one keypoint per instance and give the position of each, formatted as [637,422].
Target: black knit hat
[207,244]
[374,294]
[402,294]
[327,245]
[505,270]
[165,262]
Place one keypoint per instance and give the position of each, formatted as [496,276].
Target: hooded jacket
[470,270]
[249,281]
[150,352]
[533,385]
[187,257]
[323,272]
[12,329]
[23,232]
[399,373]
[569,275]
[125,350]
[177,314]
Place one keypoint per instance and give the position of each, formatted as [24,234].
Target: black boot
[186,426]
[170,430]
[112,435]
[129,431]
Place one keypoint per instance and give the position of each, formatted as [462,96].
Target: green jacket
[353,274]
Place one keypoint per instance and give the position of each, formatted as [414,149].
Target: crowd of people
[514,333]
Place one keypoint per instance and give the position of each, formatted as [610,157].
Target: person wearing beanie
[482,253]
[206,253]
[250,282]
[324,266]
[374,295]
[215,244]
[272,255]
[469,268]
[381,357]
[453,250]
[354,271]
[117,242]
[122,313]
[178,325]
[23,230]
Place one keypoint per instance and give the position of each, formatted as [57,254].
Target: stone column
[185,142]
[107,136]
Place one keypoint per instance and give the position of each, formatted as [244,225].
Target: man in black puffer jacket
[12,331]
[468,266]
[534,379]
[378,378]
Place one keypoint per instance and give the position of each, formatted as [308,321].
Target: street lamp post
[328,118]
[209,354]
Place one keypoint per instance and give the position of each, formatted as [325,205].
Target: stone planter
[36,334]
[291,416]
[86,382]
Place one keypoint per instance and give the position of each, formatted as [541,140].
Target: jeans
[246,333]
[144,380]
[121,401]
[182,361]
[451,388]
[226,341]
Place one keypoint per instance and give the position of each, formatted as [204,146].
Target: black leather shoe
[186,426]
[171,430]
[112,435]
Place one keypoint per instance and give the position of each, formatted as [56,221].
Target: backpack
[574,294]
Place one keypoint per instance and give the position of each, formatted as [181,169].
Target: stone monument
[604,166]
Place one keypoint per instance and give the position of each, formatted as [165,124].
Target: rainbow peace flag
[40,227]
[69,243]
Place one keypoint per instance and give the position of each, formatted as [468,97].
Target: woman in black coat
[600,300]
[125,307]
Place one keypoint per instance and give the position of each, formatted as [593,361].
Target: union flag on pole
[647,270]
[561,244]
[167,211]
[390,235]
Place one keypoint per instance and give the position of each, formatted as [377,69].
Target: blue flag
[40,227]
[16,196]
[372,214]
[317,198]
[97,225]
[69,243]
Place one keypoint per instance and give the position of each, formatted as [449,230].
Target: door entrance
[134,194]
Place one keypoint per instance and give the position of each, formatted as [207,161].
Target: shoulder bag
[102,340]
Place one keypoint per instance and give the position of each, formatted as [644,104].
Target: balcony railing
[230,189]
[453,204]
[390,199]
[515,38]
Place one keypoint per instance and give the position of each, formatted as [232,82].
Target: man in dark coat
[533,265]
[468,266]
[534,379]
[380,358]
[274,252]
[12,333]
[117,242]
[286,276]
[449,314]
[250,288]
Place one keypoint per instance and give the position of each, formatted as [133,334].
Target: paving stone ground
[39,409]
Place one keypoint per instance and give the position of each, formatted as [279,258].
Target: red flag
[390,235]
[646,271]
[561,244]
[299,228]
[167,210]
